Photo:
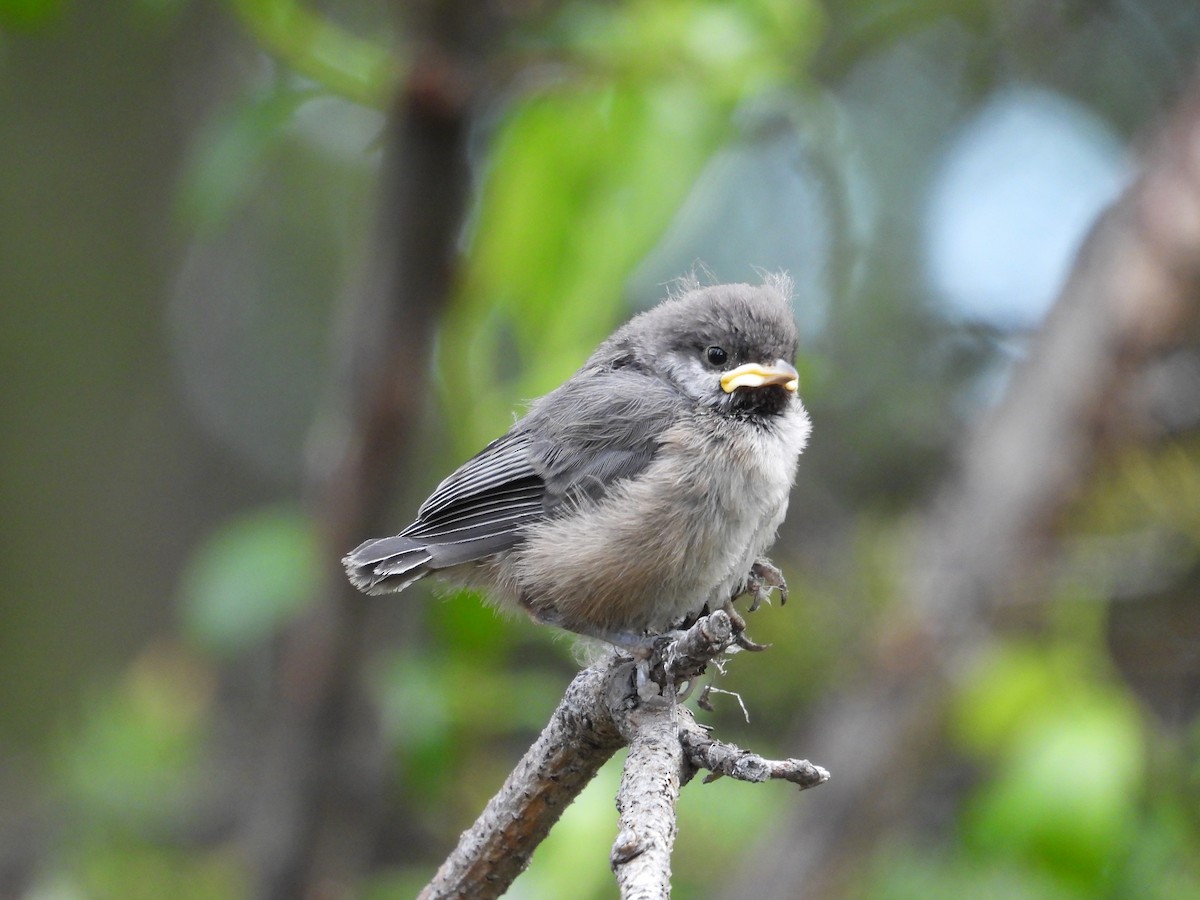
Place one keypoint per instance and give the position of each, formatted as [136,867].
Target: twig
[720,758]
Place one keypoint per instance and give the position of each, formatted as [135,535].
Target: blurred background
[270,269]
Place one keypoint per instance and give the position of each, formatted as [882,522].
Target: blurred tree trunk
[984,545]
[313,821]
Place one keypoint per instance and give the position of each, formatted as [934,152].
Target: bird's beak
[753,375]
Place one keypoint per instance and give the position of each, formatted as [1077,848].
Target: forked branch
[602,711]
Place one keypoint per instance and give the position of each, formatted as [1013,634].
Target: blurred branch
[317,806]
[604,708]
[318,49]
[1132,294]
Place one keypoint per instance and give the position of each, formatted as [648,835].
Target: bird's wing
[598,429]
[480,509]
[477,511]
[575,443]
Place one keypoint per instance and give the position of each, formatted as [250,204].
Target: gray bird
[642,491]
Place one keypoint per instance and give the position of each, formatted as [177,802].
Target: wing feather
[503,461]
[488,515]
[596,430]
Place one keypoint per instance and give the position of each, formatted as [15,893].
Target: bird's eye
[716,356]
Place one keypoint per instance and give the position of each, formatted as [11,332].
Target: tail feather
[387,565]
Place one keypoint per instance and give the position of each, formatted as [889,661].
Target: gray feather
[385,565]
[572,447]
[592,434]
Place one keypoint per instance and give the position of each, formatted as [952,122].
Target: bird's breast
[659,546]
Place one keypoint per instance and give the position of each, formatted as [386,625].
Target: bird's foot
[657,652]
[763,578]
[739,630]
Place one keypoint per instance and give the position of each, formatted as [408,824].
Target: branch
[641,854]
[605,707]
[580,737]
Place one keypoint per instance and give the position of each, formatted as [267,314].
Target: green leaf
[255,573]
[318,48]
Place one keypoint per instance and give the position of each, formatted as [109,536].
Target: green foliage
[23,14]
[387,885]
[732,50]
[1158,490]
[132,772]
[160,10]
[1162,861]
[315,47]
[903,872]
[441,711]
[1080,797]
[257,571]
[139,740]
[1067,807]
[422,696]
[1065,743]
[1066,791]
[466,625]
[121,868]
[585,176]
[1158,864]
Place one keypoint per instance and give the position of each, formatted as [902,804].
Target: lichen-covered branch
[641,854]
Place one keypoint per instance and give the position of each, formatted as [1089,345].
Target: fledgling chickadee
[642,491]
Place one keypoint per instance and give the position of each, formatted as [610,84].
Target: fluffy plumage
[637,493]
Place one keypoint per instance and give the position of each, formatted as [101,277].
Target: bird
[641,493]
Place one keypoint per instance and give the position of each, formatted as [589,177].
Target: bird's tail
[386,565]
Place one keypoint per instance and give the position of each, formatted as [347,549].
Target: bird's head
[728,347]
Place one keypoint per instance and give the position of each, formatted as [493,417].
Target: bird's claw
[763,578]
[739,631]
[746,644]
